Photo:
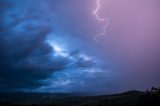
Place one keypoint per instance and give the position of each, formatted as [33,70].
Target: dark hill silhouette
[130,98]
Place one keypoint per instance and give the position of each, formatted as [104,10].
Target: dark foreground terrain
[131,98]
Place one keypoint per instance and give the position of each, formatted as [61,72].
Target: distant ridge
[130,98]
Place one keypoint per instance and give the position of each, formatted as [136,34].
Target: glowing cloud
[57,49]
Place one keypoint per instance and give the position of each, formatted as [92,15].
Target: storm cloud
[26,57]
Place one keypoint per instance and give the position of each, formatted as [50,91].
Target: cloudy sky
[50,46]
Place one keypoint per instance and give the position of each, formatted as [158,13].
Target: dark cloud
[25,57]
[4,5]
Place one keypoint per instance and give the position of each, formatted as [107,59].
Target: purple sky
[49,46]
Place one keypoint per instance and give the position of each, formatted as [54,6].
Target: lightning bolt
[106,20]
